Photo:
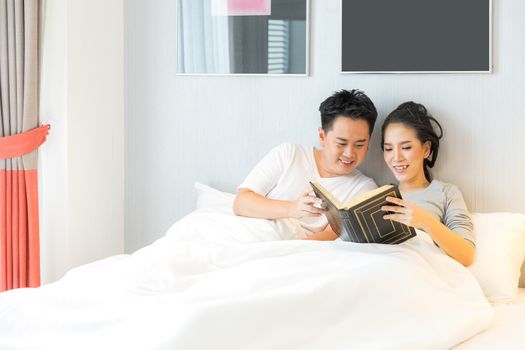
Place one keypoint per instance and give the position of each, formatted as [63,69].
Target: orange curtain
[19,230]
[20,137]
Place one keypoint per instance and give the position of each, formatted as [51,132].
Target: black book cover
[362,221]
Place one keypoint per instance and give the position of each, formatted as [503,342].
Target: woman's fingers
[396,217]
[393,208]
[395,201]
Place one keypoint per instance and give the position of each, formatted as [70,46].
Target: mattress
[507,331]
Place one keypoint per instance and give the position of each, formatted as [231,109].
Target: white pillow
[208,197]
[500,250]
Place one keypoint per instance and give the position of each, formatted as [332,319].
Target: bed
[507,330]
[223,282]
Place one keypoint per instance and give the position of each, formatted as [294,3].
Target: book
[361,219]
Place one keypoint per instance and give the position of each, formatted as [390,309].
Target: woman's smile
[400,168]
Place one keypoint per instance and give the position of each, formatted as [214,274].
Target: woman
[410,147]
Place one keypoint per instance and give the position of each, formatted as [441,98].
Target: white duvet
[217,281]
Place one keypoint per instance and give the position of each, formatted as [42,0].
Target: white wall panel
[82,164]
[181,129]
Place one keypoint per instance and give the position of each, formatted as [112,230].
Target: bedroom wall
[81,166]
[182,129]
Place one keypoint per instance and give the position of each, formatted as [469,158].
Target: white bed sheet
[217,281]
[507,332]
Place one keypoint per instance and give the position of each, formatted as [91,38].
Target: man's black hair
[352,104]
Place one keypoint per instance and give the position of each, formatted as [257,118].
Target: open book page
[329,196]
[364,196]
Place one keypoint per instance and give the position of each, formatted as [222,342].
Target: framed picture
[416,36]
[245,37]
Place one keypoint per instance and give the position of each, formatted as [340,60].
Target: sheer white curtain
[203,39]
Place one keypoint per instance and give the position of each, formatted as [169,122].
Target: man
[278,187]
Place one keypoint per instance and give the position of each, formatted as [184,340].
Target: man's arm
[251,204]
[326,235]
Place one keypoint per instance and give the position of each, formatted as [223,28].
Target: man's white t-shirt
[284,174]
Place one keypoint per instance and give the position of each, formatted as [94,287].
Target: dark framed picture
[416,36]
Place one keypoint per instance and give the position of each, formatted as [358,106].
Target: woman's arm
[453,244]
[251,204]
[411,215]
